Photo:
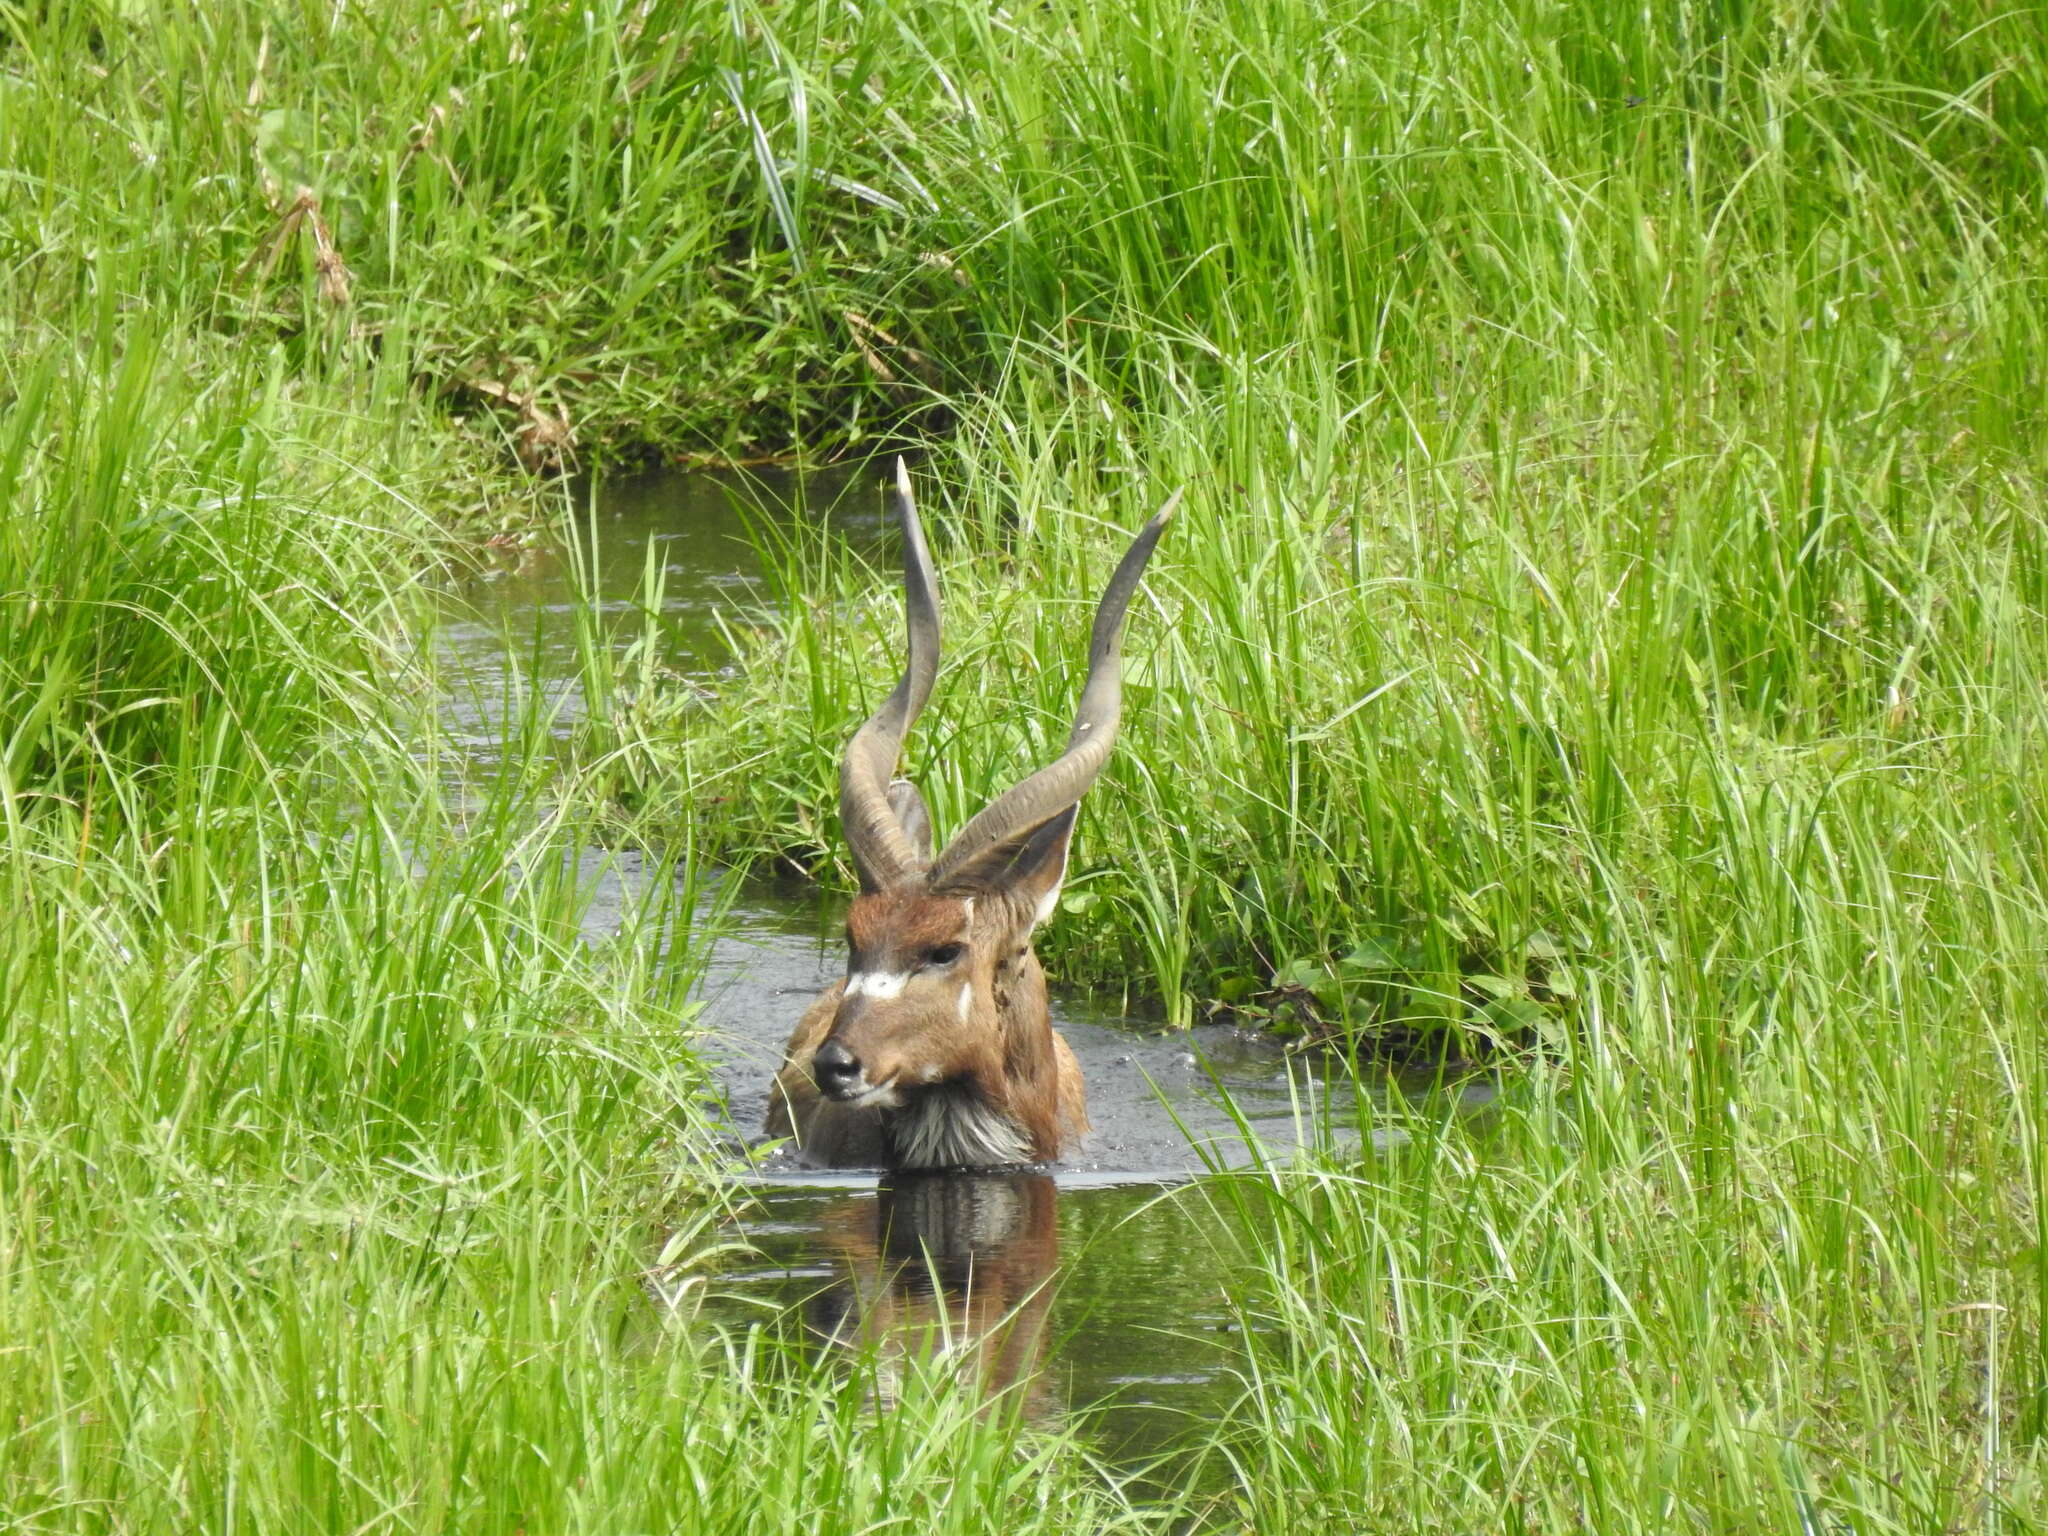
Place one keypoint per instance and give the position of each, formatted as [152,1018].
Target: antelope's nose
[835,1069]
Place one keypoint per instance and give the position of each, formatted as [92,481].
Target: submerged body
[937,1050]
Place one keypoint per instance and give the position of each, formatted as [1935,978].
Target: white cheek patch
[876,984]
[966,1002]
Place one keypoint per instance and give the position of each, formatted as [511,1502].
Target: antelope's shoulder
[793,1098]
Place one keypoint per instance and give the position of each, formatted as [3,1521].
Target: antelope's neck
[1015,1118]
[955,1126]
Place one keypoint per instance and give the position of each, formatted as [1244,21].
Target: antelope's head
[939,959]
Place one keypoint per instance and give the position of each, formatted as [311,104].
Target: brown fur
[937,1050]
[1004,1057]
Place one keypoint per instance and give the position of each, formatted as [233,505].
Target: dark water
[1099,1284]
[517,618]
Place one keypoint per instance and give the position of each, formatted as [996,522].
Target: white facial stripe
[966,1001]
[886,1096]
[876,984]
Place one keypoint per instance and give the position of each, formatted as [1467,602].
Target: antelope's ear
[911,815]
[1029,865]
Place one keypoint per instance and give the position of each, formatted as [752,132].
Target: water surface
[520,611]
[1111,1268]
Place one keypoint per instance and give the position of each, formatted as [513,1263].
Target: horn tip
[1165,514]
[902,476]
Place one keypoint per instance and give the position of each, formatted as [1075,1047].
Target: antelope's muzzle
[837,1072]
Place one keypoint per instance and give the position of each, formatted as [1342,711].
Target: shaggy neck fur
[952,1126]
[961,1124]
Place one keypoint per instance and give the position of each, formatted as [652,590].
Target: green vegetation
[1811,1305]
[1574,488]
[344,1185]
[1606,624]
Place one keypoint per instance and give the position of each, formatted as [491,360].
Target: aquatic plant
[1604,624]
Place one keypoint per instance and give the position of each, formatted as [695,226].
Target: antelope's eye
[944,954]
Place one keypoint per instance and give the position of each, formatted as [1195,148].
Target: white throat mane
[954,1128]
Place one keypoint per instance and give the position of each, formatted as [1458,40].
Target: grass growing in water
[1688,474]
[1606,620]
[347,1183]
[1611,1313]
[1612,556]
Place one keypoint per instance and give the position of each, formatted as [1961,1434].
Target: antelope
[937,1049]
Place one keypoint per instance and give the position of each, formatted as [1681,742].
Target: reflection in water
[952,1265]
[1103,1300]
[527,612]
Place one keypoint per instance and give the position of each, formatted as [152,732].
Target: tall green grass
[348,1181]
[1604,627]
[1815,1310]
[1654,438]
[1605,624]
[618,224]
[698,225]
[351,1180]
